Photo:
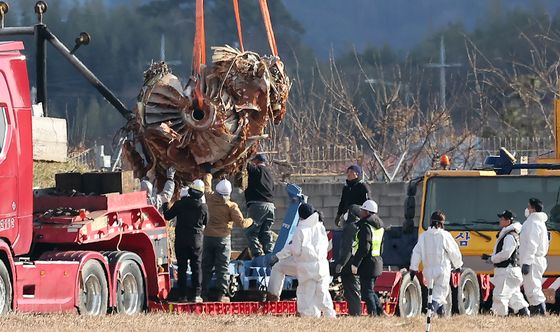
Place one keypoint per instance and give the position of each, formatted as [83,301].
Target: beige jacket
[222,213]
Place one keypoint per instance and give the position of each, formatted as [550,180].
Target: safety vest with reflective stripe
[376,241]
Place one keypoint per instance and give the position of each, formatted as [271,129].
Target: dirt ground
[175,322]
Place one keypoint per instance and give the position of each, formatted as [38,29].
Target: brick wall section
[326,196]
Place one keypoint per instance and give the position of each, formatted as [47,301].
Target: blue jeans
[259,234]
[216,252]
[369,296]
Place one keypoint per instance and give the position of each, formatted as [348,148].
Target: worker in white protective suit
[507,272]
[438,252]
[305,257]
[165,195]
[533,247]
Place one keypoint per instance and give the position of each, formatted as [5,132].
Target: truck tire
[466,297]
[130,295]
[410,297]
[5,289]
[94,293]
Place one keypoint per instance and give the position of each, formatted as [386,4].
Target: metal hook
[40,9]
[83,39]
[4,8]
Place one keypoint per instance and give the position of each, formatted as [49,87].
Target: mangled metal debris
[217,118]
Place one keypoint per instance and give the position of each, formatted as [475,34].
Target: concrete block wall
[326,196]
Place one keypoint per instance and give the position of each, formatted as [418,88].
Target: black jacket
[345,250]
[368,265]
[260,185]
[354,192]
[191,213]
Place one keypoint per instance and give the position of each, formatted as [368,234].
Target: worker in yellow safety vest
[367,247]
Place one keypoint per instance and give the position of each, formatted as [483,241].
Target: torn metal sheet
[217,118]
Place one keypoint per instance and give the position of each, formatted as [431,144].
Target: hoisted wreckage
[217,118]
[241,94]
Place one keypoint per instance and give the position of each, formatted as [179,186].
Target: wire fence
[334,158]
[312,160]
[531,147]
[85,158]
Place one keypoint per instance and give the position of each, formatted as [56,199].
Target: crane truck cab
[90,254]
[471,200]
[16,164]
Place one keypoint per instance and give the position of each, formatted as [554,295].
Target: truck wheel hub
[129,294]
[92,295]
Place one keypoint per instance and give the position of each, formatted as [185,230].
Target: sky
[342,24]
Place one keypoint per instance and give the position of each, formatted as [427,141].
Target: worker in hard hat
[260,206]
[507,272]
[223,213]
[355,191]
[307,252]
[184,191]
[367,248]
[533,248]
[192,216]
[437,250]
[157,199]
[343,261]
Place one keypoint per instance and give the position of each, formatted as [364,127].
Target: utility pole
[162,53]
[442,65]
[162,48]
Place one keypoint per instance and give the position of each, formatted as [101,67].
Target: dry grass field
[44,172]
[174,322]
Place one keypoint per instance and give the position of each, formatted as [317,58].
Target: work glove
[485,257]
[273,260]
[338,220]
[412,273]
[354,269]
[171,173]
[338,269]
[525,269]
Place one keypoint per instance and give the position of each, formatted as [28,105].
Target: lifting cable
[199,49]
[238,20]
[268,27]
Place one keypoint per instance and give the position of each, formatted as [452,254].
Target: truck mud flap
[388,286]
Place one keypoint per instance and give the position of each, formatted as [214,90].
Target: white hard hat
[198,185]
[370,206]
[224,188]
[184,192]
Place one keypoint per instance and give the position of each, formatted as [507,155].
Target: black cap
[260,158]
[305,210]
[507,214]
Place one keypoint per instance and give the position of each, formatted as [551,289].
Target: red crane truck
[99,253]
